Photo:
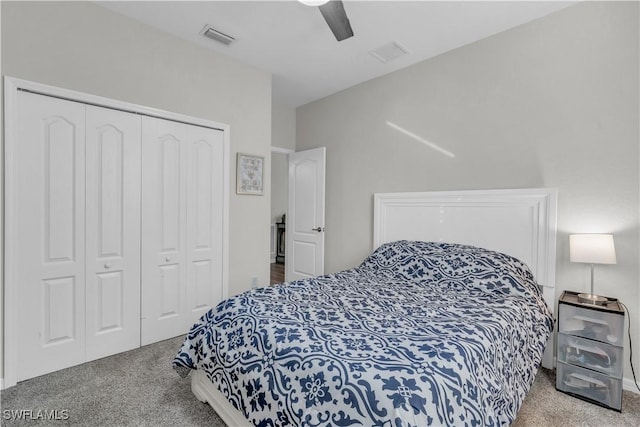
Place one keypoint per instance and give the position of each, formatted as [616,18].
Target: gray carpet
[139,388]
[136,388]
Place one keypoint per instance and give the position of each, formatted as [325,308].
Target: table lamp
[592,249]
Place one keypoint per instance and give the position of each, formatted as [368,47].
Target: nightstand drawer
[590,354]
[590,323]
[584,383]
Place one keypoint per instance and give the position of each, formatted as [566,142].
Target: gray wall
[553,103]
[283,126]
[283,135]
[82,46]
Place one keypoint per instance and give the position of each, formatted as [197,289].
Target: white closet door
[204,221]
[164,168]
[181,225]
[48,178]
[112,231]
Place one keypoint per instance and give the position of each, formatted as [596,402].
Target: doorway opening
[279,199]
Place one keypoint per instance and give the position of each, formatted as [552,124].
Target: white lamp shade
[592,248]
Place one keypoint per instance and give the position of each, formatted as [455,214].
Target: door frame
[286,152]
[9,355]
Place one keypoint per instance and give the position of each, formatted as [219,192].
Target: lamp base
[592,299]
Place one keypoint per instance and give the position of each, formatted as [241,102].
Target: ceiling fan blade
[333,12]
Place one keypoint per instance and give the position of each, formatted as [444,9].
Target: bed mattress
[419,334]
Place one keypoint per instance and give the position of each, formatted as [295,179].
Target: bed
[436,332]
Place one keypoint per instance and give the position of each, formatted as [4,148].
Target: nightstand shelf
[590,350]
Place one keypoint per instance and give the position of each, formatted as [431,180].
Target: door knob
[107,265]
[318,229]
[167,259]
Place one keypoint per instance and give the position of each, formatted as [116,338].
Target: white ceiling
[293,42]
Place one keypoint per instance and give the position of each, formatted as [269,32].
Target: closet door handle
[318,229]
[107,265]
[167,259]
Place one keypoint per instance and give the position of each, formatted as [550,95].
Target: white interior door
[182,208]
[305,214]
[48,177]
[112,231]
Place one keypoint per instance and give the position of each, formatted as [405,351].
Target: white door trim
[7,216]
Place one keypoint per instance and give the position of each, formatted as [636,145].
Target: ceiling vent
[389,52]
[212,33]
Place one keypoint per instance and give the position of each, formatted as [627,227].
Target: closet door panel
[164,174]
[182,222]
[48,180]
[113,177]
[170,194]
[204,221]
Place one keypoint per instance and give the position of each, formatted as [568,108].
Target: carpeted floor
[136,388]
[545,406]
[139,388]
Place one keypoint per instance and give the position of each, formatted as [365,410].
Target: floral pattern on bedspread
[419,334]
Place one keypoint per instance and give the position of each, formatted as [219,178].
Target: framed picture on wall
[249,174]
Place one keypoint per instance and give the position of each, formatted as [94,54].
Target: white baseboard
[627,384]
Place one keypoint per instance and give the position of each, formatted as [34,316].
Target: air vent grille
[389,52]
[212,33]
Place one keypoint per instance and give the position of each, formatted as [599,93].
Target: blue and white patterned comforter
[420,334]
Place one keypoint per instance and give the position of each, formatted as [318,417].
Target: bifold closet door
[182,209]
[112,231]
[48,180]
[76,177]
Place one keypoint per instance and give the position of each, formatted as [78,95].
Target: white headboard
[521,223]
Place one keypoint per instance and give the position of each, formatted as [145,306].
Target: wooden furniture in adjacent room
[281,229]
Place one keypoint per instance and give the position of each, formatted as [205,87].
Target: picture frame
[249,174]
